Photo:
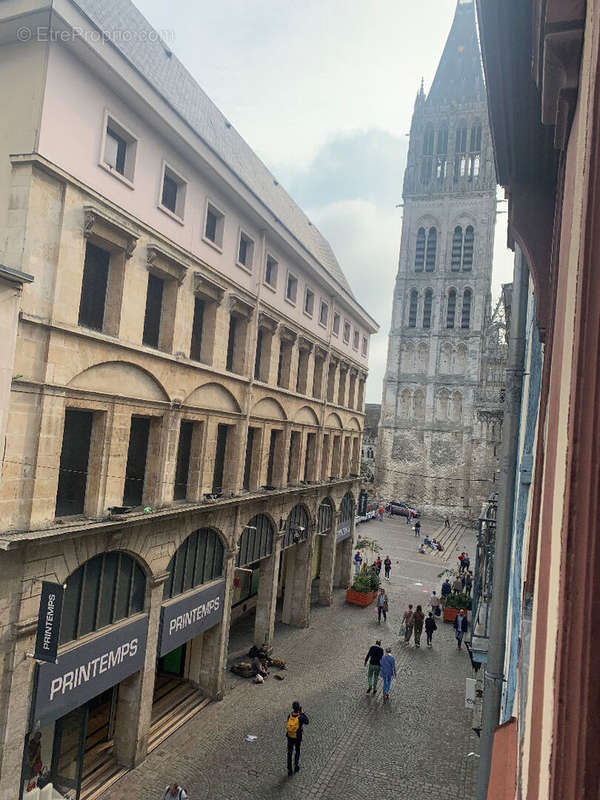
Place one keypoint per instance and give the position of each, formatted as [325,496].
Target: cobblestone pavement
[415,747]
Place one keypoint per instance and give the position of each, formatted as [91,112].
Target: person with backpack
[296,720]
[174,792]
[430,627]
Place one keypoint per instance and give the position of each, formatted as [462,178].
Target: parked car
[403,509]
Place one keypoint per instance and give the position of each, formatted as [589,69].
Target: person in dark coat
[430,627]
[461,626]
[418,620]
[446,588]
[296,720]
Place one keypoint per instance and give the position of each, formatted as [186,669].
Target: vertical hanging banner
[48,629]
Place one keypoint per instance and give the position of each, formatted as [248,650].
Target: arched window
[428,141]
[466,309]
[346,509]
[442,140]
[420,250]
[325,512]
[405,403]
[412,311]
[461,359]
[442,405]
[197,560]
[467,258]
[419,405]
[442,152]
[423,357]
[256,541]
[408,361]
[475,138]
[457,407]
[457,248]
[446,358]
[431,250]
[461,138]
[451,311]
[427,303]
[109,587]
[297,527]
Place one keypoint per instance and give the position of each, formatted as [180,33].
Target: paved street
[416,746]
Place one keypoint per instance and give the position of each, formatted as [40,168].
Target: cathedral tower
[442,294]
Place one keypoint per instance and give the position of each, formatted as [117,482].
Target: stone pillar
[208,652]
[327,567]
[47,458]
[296,598]
[266,601]
[134,706]
[165,457]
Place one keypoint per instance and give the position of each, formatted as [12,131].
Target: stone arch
[461,359]
[354,424]
[405,403]
[269,408]
[78,551]
[199,559]
[213,396]
[306,416]
[120,378]
[326,515]
[347,506]
[333,421]
[457,407]
[408,357]
[422,356]
[256,540]
[441,405]
[446,358]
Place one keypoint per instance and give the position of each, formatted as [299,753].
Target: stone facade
[370,436]
[182,300]
[429,429]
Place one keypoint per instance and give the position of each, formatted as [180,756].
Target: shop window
[466,309]
[135,472]
[214,225]
[427,303]
[412,309]
[297,526]
[325,516]
[109,587]
[256,541]
[293,472]
[184,451]
[74,458]
[197,560]
[94,287]
[219,468]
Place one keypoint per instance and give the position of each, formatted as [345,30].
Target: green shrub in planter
[458,601]
[366,582]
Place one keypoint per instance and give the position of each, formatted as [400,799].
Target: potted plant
[453,604]
[364,588]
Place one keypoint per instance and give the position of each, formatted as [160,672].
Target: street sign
[49,616]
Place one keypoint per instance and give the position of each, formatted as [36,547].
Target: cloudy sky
[323,91]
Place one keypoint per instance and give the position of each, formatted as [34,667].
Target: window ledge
[212,244]
[270,287]
[291,302]
[244,267]
[323,324]
[170,213]
[306,314]
[116,174]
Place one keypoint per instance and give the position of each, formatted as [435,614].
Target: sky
[323,91]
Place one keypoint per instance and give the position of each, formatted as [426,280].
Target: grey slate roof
[171,79]
[459,76]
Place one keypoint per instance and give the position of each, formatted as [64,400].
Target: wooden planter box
[360,598]
[449,614]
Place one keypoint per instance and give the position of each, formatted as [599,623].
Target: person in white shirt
[174,792]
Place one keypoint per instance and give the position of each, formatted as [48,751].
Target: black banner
[188,616]
[46,642]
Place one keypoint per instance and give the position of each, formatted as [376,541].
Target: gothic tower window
[467,256]
[412,310]
[419,405]
[427,154]
[460,150]
[466,309]
[420,250]
[427,303]
[451,310]
[431,250]
[442,152]
[457,248]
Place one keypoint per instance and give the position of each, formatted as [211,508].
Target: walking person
[435,604]
[418,621]
[461,626]
[357,562]
[174,792]
[388,671]
[387,565]
[430,627]
[447,522]
[460,562]
[418,528]
[408,517]
[378,564]
[296,720]
[466,562]
[468,582]
[373,659]
[408,621]
[381,513]
[382,606]
[457,585]
[446,589]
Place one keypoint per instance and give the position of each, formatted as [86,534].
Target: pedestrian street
[418,746]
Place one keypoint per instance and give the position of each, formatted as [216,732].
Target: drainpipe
[494,671]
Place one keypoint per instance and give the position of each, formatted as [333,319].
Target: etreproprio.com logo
[44,33]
